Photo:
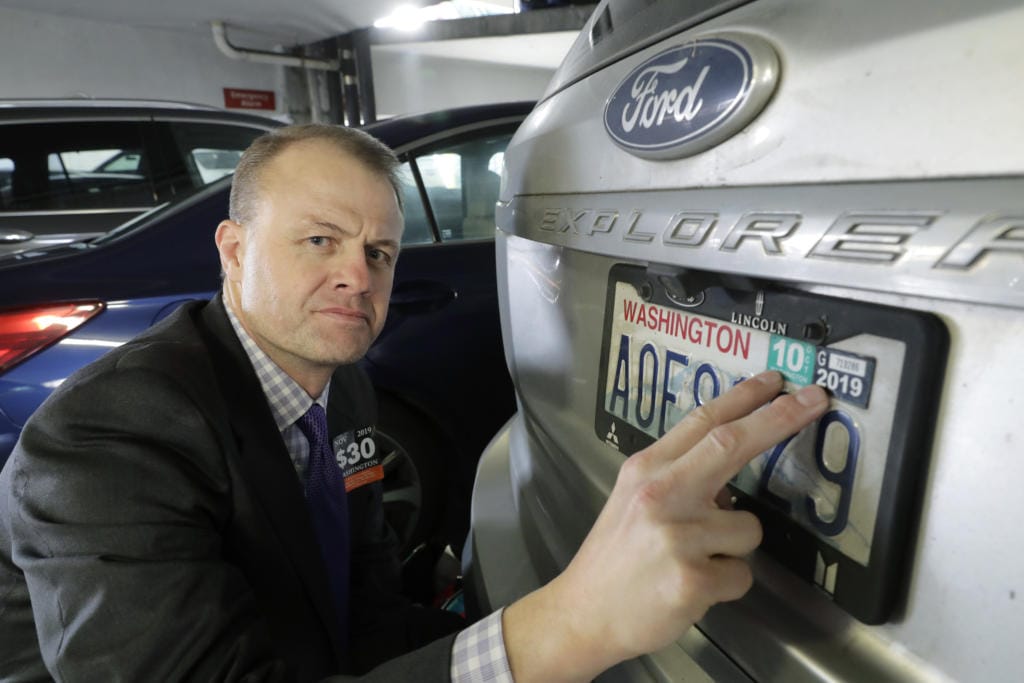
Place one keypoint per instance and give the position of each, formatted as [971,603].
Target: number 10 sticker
[794,359]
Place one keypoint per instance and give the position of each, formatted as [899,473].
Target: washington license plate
[835,498]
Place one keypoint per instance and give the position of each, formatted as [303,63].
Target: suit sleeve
[384,624]
[429,664]
[118,495]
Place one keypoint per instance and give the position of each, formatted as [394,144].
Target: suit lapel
[265,464]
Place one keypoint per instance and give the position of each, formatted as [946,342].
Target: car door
[439,361]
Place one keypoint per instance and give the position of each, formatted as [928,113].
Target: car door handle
[12,236]
[421,296]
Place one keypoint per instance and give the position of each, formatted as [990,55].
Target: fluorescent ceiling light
[410,18]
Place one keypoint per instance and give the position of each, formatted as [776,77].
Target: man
[162,517]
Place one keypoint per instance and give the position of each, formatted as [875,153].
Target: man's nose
[351,271]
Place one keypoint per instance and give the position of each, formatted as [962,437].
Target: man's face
[310,276]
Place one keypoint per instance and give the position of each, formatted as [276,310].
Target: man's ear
[230,239]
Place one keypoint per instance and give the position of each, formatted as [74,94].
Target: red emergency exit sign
[237,98]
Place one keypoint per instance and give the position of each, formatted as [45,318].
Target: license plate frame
[864,571]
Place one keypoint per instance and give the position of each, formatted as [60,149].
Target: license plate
[835,499]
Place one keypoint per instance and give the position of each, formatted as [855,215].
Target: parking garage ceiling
[266,24]
[279,22]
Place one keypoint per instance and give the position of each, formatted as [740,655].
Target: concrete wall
[412,83]
[43,55]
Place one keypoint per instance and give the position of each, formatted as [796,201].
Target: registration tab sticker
[794,359]
[847,376]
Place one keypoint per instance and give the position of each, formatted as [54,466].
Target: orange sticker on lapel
[364,477]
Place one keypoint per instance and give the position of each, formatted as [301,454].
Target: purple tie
[328,508]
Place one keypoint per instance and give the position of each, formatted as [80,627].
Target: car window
[6,169]
[417,225]
[461,181]
[214,164]
[442,178]
[211,150]
[121,161]
[61,166]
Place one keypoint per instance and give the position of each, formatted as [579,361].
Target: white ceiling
[264,24]
[287,22]
[277,22]
[538,50]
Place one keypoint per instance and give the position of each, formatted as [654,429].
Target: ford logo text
[690,98]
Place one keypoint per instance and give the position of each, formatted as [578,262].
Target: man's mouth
[344,314]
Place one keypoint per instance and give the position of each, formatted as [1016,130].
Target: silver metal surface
[888,167]
[946,239]
[868,91]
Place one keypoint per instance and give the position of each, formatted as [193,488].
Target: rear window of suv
[74,165]
[57,166]
[211,151]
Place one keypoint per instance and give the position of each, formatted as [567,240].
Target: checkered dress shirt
[478,655]
[288,401]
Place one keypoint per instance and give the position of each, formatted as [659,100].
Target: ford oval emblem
[690,98]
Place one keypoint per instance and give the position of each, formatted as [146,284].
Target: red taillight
[25,331]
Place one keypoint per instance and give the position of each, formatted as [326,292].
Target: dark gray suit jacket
[152,527]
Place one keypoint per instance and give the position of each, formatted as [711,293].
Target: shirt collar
[288,401]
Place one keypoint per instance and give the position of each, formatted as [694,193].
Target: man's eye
[379,255]
[318,240]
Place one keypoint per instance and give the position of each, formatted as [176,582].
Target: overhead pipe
[220,38]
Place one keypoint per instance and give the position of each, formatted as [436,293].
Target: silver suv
[74,169]
[834,190]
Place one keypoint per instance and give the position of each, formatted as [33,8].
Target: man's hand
[662,551]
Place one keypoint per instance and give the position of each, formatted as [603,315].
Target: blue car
[438,365]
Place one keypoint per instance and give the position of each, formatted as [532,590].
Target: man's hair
[368,150]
